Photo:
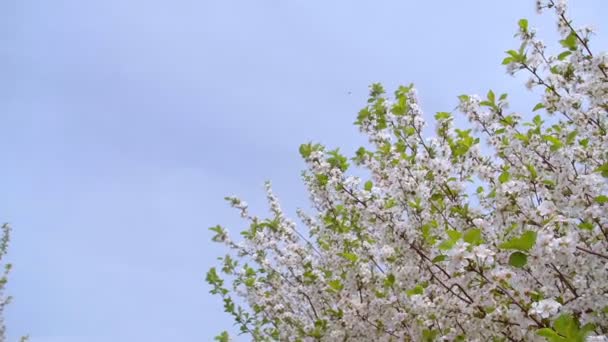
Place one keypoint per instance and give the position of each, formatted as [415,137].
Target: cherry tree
[446,240]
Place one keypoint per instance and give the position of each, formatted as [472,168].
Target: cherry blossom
[494,232]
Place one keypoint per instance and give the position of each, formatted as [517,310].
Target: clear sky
[125,123]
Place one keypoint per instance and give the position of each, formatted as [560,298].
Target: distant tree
[4,299]
[446,240]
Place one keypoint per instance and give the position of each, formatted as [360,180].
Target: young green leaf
[523,243]
[473,236]
[518,259]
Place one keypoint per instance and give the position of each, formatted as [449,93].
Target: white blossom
[545,308]
[443,237]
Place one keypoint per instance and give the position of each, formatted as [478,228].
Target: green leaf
[556,144]
[538,106]
[550,334]
[504,177]
[522,137]
[532,171]
[401,106]
[570,41]
[368,185]
[426,234]
[603,169]
[418,290]
[586,329]
[335,285]
[305,150]
[518,259]
[362,116]
[563,55]
[454,234]
[446,245]
[212,276]
[516,56]
[349,256]
[322,179]
[337,160]
[566,325]
[585,225]
[523,24]
[549,183]
[513,54]
[390,203]
[473,236]
[429,335]
[464,97]
[442,115]
[523,243]
[491,96]
[223,337]
[390,280]
[566,328]
[376,89]
[439,258]
[601,199]
[570,138]
[220,234]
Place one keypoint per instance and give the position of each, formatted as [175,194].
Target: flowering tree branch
[415,252]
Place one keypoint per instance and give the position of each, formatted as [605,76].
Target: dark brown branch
[592,252]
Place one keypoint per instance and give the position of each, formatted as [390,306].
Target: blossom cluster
[447,240]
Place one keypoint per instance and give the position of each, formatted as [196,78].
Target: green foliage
[337,160]
[601,199]
[453,237]
[349,256]
[473,236]
[418,290]
[570,41]
[223,337]
[518,259]
[220,233]
[504,177]
[439,258]
[463,143]
[443,115]
[523,24]
[523,243]
[429,335]
[335,285]
[566,328]
[389,281]
[555,142]
[307,149]
[586,225]
[538,106]
[516,56]
[602,169]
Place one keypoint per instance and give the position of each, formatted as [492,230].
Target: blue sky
[125,123]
